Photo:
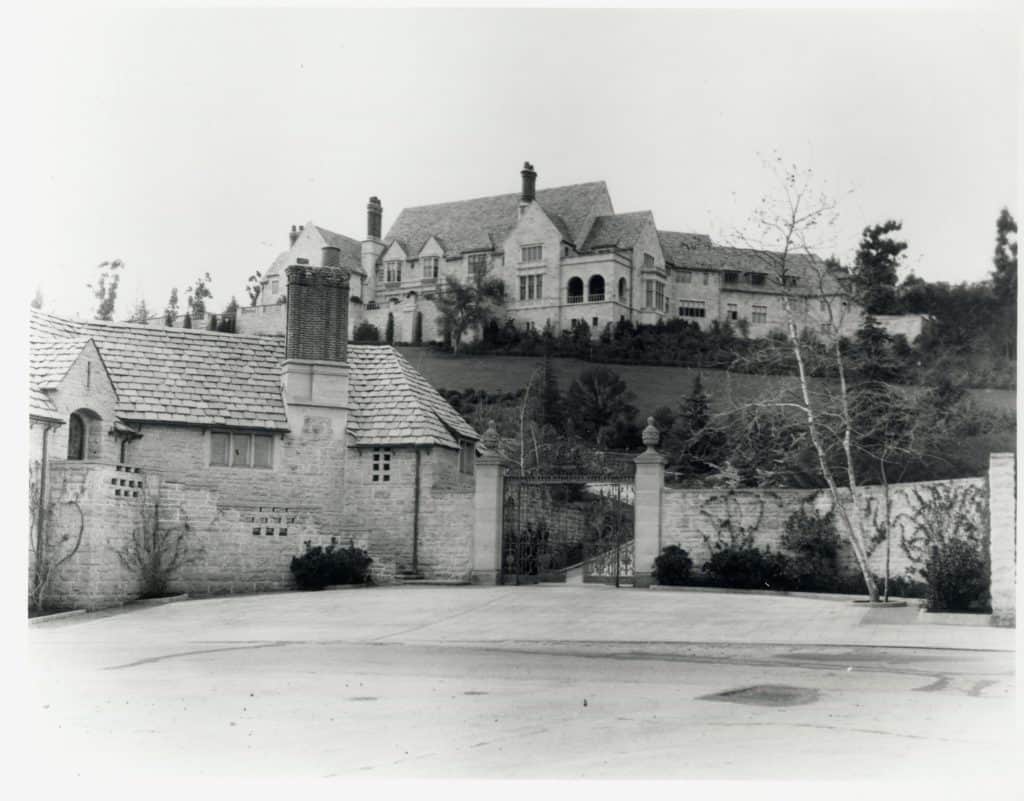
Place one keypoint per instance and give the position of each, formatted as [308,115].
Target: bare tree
[157,549]
[783,235]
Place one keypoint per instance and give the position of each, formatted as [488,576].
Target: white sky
[189,141]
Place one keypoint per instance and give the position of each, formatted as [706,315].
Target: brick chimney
[374,212]
[529,193]
[293,235]
[315,371]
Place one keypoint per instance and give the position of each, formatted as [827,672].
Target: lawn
[653,386]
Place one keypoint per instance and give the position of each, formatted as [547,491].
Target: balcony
[596,297]
[575,298]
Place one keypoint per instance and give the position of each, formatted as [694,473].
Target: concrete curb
[815,596]
[982,620]
[170,599]
[35,621]
[346,587]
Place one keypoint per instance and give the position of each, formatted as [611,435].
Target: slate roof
[176,375]
[617,230]
[484,223]
[679,247]
[809,271]
[393,404]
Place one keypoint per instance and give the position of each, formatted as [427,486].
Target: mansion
[565,257]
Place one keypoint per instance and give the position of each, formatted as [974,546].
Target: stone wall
[1003,537]
[688,516]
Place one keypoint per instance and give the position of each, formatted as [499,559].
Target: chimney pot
[529,176]
[331,256]
[292,236]
[374,212]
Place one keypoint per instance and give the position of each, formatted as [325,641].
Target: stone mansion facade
[565,257]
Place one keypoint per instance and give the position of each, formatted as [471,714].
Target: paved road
[540,682]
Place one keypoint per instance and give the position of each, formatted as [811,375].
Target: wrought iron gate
[553,524]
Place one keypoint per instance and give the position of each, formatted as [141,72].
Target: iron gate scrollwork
[553,524]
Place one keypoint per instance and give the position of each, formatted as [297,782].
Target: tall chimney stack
[374,212]
[529,183]
[317,325]
[293,235]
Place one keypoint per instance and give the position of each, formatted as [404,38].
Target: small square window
[282,532]
[256,532]
[269,531]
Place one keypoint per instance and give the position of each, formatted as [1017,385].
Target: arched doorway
[575,290]
[595,288]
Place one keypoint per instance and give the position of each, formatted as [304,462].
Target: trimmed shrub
[672,567]
[736,562]
[958,577]
[366,333]
[814,544]
[319,567]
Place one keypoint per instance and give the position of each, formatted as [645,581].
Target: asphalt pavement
[533,682]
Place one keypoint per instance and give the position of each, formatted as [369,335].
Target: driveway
[532,682]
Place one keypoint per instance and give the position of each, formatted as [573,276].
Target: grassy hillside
[653,386]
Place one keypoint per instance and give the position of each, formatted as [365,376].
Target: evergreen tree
[171,312]
[187,323]
[875,268]
[253,287]
[105,289]
[141,313]
[552,407]
[1004,282]
[1004,275]
[198,293]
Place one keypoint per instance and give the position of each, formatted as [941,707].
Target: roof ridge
[501,195]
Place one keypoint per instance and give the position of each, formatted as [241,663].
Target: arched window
[595,288]
[622,289]
[76,437]
[575,290]
[84,434]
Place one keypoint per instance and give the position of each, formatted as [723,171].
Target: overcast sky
[190,141]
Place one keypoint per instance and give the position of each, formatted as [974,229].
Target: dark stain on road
[363,698]
[766,695]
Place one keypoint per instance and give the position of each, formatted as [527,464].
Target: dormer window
[648,261]
[533,253]
[392,271]
[429,266]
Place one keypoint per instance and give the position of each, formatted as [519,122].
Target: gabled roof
[617,230]
[351,249]
[49,361]
[176,375]
[484,223]
[181,375]
[392,404]
[679,247]
[351,253]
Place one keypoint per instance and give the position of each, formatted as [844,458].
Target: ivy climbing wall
[918,513]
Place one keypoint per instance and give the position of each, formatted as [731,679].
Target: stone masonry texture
[1003,537]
